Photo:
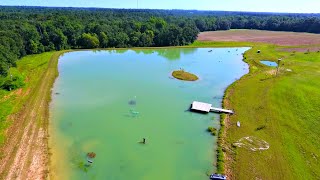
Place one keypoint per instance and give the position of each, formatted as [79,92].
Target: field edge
[25,153]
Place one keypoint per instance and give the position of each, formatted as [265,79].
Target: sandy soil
[271,37]
[25,153]
[228,154]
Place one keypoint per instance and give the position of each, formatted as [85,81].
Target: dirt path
[271,37]
[25,154]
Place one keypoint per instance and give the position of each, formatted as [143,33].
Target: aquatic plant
[132,102]
[83,166]
[212,130]
[91,155]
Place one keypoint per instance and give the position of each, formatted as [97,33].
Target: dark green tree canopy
[88,41]
[31,30]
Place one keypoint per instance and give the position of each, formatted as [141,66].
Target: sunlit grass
[286,106]
[31,67]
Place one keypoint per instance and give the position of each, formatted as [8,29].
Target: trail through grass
[31,67]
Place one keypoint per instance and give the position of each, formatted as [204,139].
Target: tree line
[32,30]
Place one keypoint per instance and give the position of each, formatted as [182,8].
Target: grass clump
[261,127]
[212,130]
[185,76]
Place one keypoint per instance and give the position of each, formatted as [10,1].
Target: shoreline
[224,159]
[25,154]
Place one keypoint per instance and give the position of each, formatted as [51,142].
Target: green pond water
[107,101]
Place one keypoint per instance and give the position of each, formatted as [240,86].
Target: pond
[106,102]
[269,63]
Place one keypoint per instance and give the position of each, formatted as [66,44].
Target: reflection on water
[111,100]
[170,54]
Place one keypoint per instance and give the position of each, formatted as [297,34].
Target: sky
[297,6]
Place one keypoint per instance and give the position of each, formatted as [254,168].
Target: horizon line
[159,9]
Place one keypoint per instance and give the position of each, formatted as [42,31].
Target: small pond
[269,63]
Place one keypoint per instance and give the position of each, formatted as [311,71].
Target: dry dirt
[271,37]
[25,153]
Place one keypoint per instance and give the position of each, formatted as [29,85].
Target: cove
[107,101]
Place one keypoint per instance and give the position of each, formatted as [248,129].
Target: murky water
[108,101]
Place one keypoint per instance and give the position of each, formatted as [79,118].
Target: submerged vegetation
[212,130]
[185,76]
[91,155]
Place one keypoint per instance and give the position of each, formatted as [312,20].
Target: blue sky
[301,6]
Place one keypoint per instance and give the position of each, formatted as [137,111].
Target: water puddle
[269,63]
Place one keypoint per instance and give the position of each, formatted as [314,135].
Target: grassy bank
[282,110]
[31,68]
[24,114]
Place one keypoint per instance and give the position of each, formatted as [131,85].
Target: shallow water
[109,100]
[269,63]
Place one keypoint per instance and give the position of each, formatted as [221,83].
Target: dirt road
[25,154]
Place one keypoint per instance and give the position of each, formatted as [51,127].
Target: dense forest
[32,30]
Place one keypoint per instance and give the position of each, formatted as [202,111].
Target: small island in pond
[183,75]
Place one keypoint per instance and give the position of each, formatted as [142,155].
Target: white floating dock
[205,107]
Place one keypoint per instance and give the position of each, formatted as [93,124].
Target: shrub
[261,127]
[212,130]
[11,83]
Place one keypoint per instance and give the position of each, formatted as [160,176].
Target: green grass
[286,106]
[212,131]
[31,68]
[185,76]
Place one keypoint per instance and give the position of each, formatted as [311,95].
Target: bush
[11,83]
[220,160]
[261,127]
[212,130]
[89,40]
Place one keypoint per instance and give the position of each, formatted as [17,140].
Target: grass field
[282,110]
[11,101]
[24,113]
